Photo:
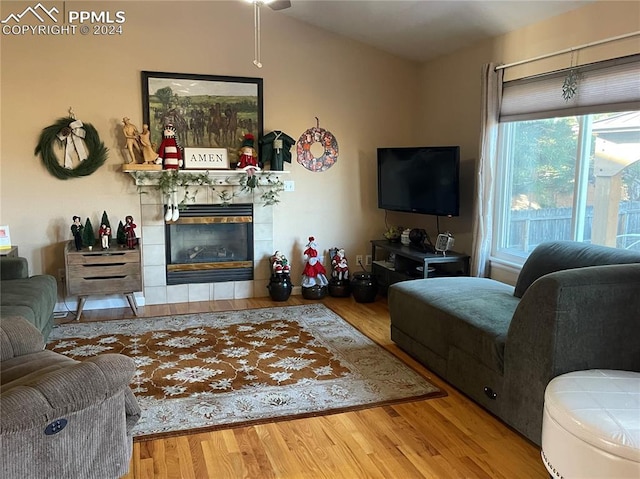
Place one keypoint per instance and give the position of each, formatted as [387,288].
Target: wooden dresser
[111,271]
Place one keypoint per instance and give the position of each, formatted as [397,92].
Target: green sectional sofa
[30,297]
[575,306]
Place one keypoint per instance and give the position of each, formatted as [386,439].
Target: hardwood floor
[448,437]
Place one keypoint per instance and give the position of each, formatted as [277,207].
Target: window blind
[609,86]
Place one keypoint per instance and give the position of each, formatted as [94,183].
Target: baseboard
[98,302]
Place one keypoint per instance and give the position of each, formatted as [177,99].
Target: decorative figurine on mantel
[314,281]
[170,155]
[280,284]
[132,136]
[170,152]
[148,153]
[76,231]
[140,151]
[248,156]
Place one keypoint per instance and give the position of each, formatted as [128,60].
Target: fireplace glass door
[210,243]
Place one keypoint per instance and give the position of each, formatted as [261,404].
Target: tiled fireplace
[157,290]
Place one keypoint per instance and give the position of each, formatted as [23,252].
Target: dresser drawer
[128,256]
[105,284]
[102,270]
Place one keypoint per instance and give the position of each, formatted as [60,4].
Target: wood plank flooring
[448,437]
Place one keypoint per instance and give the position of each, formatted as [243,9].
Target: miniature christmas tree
[105,219]
[121,237]
[88,235]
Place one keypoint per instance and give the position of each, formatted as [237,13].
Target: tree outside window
[569,178]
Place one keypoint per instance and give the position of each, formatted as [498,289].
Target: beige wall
[449,104]
[363,97]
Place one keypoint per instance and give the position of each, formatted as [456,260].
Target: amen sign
[206,158]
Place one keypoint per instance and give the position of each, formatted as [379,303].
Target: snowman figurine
[170,156]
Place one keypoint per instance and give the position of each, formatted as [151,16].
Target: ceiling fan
[274,5]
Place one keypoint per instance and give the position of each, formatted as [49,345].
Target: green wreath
[95,159]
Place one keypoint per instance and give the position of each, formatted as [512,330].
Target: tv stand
[411,263]
[422,247]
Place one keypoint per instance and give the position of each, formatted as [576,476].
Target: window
[568,170]
[569,178]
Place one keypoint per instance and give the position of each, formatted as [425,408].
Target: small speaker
[417,236]
[444,242]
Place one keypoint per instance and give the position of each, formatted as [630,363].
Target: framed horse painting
[206,111]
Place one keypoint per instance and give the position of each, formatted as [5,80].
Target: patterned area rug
[212,370]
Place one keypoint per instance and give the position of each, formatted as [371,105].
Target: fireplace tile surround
[152,239]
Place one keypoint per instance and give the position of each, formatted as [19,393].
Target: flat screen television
[420,180]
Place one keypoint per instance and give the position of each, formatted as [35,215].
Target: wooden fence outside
[528,228]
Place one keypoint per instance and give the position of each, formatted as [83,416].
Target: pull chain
[256,27]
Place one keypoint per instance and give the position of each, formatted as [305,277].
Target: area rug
[210,370]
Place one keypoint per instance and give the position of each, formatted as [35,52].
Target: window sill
[504,271]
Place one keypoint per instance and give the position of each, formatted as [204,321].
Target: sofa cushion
[27,368]
[472,314]
[19,310]
[17,337]
[33,298]
[560,255]
[13,268]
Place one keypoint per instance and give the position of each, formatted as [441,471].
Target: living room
[401,103]
[365,97]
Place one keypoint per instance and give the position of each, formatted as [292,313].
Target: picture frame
[5,237]
[207,111]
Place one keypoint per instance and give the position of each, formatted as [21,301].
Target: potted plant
[393,234]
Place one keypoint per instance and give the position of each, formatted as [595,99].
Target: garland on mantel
[168,181]
[61,132]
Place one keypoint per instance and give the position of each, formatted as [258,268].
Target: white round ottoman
[591,425]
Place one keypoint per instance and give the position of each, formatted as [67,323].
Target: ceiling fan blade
[279,4]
